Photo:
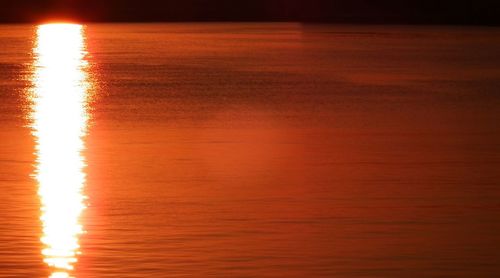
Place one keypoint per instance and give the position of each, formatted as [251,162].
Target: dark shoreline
[411,12]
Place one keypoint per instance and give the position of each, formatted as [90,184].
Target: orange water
[250,150]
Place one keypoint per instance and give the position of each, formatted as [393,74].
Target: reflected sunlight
[59,123]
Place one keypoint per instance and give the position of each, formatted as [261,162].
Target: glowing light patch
[59,123]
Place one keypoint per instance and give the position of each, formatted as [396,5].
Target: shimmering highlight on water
[59,126]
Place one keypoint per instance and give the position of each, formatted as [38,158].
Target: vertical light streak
[59,123]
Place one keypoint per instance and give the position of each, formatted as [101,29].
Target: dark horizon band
[481,12]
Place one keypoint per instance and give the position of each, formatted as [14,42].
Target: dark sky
[353,11]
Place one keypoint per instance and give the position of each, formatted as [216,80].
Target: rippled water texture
[249,150]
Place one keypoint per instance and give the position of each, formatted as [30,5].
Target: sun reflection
[59,122]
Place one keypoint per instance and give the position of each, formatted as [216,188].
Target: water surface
[250,150]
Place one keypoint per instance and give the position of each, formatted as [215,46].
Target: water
[249,150]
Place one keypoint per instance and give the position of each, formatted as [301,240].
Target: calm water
[249,150]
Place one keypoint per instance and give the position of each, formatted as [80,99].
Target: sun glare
[59,123]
